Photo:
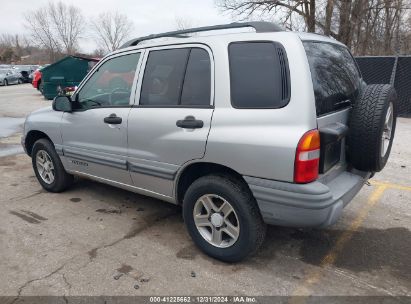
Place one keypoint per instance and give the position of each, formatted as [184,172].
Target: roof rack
[259,26]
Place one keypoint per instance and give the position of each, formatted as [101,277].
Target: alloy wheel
[216,220]
[386,133]
[45,167]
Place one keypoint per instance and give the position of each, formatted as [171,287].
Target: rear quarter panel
[261,142]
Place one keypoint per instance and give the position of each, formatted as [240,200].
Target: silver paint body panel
[147,152]
[104,147]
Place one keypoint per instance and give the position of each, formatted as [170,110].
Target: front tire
[48,167]
[222,218]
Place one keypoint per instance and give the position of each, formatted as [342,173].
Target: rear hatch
[336,82]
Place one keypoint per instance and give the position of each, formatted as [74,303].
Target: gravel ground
[98,240]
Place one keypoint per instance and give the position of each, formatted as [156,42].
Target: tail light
[307,157]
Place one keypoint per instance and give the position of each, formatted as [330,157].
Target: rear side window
[163,77]
[177,77]
[259,75]
[334,74]
[197,81]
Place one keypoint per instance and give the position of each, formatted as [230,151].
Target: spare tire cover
[372,127]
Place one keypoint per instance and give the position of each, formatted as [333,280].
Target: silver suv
[241,128]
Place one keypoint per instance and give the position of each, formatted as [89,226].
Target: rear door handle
[113,119]
[190,122]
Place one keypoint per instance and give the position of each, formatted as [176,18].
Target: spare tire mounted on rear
[372,127]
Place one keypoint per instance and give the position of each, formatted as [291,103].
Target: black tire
[19,81]
[367,124]
[5,82]
[252,228]
[62,180]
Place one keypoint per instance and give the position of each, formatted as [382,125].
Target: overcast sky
[149,16]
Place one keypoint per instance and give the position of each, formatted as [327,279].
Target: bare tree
[6,40]
[98,53]
[68,23]
[285,9]
[328,17]
[14,47]
[6,48]
[41,31]
[183,23]
[56,27]
[373,27]
[111,30]
[378,27]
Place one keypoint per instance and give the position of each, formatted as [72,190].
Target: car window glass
[197,80]
[111,84]
[334,74]
[257,75]
[163,77]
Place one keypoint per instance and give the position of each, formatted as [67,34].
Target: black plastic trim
[102,160]
[259,26]
[175,106]
[152,170]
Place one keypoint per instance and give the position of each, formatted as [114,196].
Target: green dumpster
[67,72]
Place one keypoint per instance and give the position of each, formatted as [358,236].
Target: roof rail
[259,26]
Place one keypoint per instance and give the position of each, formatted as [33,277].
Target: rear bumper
[316,204]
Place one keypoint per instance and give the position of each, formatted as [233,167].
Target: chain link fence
[395,70]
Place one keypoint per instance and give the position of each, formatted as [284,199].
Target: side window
[258,75]
[111,84]
[177,77]
[197,81]
[334,74]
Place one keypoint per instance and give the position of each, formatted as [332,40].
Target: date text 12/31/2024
[203,299]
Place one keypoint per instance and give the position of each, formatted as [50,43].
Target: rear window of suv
[335,76]
[259,75]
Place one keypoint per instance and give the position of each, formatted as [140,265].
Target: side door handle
[113,119]
[190,122]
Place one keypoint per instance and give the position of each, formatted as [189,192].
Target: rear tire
[50,172]
[243,220]
[372,127]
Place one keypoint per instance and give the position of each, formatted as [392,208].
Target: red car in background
[36,79]
[36,82]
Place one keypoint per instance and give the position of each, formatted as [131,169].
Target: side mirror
[62,103]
